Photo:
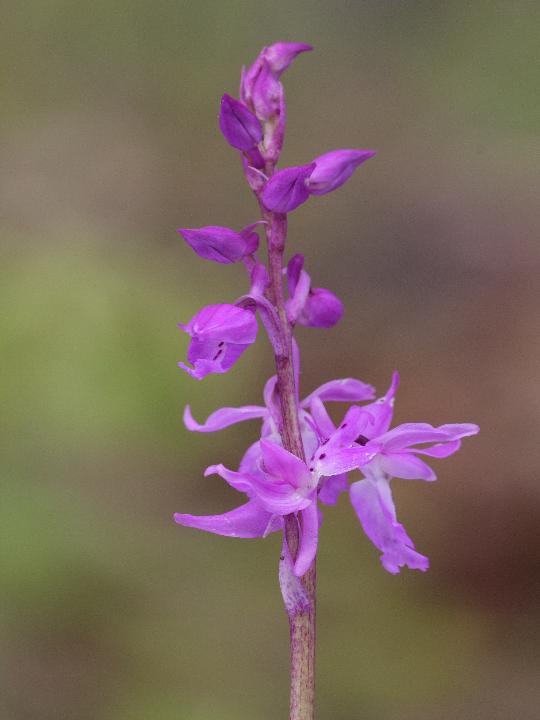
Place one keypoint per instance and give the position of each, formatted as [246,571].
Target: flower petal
[224,417]
[372,502]
[441,450]
[405,465]
[343,390]
[382,410]
[322,419]
[285,467]
[246,521]
[337,461]
[241,481]
[309,536]
[332,487]
[409,434]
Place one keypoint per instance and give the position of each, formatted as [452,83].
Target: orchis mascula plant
[302,459]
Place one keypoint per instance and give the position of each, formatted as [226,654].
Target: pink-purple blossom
[219,335]
[278,483]
[313,307]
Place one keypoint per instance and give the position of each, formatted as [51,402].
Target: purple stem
[301,621]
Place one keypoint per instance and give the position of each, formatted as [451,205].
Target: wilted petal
[334,168]
[240,127]
[246,521]
[224,417]
[405,465]
[280,55]
[294,594]
[375,509]
[286,190]
[344,390]
[309,535]
[255,177]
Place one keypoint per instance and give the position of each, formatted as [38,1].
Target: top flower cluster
[255,125]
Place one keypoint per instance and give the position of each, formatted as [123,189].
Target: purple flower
[240,128]
[314,307]
[291,187]
[275,481]
[395,456]
[334,168]
[221,244]
[219,335]
[287,189]
[279,483]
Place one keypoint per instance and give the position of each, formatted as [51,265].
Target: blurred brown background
[110,142]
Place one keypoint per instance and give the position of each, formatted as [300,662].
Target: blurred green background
[110,142]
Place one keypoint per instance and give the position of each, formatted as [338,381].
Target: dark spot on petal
[217,354]
[221,344]
[343,425]
[362,440]
[322,456]
[282,557]
[311,469]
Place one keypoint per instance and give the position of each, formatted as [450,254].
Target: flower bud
[221,244]
[286,190]
[266,93]
[321,309]
[313,307]
[239,126]
[334,168]
[280,55]
[219,335]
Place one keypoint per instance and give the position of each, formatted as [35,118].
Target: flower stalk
[302,619]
